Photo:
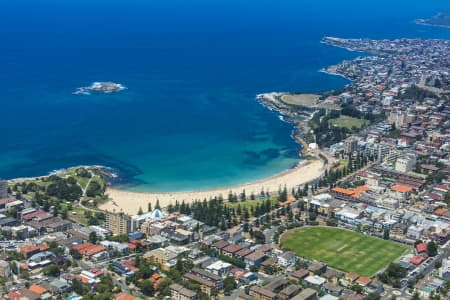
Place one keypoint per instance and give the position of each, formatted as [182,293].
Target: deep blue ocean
[189,118]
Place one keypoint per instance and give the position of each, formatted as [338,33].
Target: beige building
[179,292]
[162,257]
[260,293]
[5,270]
[118,223]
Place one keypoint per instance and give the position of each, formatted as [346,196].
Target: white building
[153,216]
[389,203]
[406,163]
[287,259]
[414,232]
[315,281]
[444,271]
[219,268]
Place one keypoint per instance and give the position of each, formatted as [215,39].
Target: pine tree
[149,207]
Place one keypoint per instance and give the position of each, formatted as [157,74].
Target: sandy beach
[129,202]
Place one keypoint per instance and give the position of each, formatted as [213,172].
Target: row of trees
[330,178]
[214,212]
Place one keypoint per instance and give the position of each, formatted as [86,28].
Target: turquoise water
[189,119]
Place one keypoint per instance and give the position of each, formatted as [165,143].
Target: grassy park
[348,122]
[343,249]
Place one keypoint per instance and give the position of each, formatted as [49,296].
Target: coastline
[304,172]
[130,202]
[425,22]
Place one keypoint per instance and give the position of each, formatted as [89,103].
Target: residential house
[259,293]
[179,292]
[306,294]
[288,258]
[315,281]
[300,274]
[289,291]
[219,268]
[255,258]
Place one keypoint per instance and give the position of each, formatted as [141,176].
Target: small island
[100,87]
[440,20]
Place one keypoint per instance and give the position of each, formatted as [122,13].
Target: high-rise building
[118,223]
[350,146]
[3,188]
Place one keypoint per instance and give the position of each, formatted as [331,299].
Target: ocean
[189,119]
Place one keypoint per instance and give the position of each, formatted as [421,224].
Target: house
[93,252]
[414,232]
[87,277]
[349,279]
[289,291]
[35,288]
[287,258]
[23,294]
[277,285]
[179,292]
[231,250]
[124,296]
[8,221]
[364,281]
[306,294]
[115,246]
[329,297]
[401,191]
[351,295]
[300,274]
[31,250]
[421,248]
[162,256]
[444,271]
[333,289]
[209,276]
[59,286]
[315,281]
[219,268]
[332,275]
[255,258]
[259,293]
[428,169]
[206,286]
[374,287]
[219,245]
[317,268]
[241,254]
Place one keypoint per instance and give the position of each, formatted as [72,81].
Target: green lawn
[348,122]
[342,249]
[250,203]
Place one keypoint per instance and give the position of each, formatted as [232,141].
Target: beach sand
[130,202]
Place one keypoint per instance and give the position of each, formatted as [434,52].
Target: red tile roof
[124,296]
[29,249]
[35,288]
[364,281]
[422,247]
[39,214]
[417,260]
[232,248]
[88,249]
[402,188]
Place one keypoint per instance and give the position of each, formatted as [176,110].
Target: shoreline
[425,22]
[306,171]
[130,202]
